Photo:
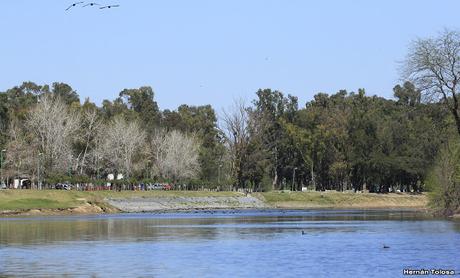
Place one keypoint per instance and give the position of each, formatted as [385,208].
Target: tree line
[343,141]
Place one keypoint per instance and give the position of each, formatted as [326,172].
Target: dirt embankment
[149,204]
[84,209]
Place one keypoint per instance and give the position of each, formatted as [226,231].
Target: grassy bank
[333,199]
[13,201]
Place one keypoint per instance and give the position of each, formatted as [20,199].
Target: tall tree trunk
[457,119]
[313,182]
[275,178]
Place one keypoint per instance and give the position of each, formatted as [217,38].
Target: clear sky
[211,51]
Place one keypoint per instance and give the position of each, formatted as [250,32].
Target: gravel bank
[143,204]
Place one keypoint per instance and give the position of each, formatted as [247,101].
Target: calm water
[228,244]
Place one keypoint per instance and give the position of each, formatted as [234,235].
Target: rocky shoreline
[143,204]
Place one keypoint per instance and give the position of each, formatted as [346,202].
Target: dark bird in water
[385,246]
[91,4]
[303,232]
[109,6]
[73,5]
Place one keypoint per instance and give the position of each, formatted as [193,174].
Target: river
[258,243]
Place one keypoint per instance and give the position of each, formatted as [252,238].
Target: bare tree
[22,155]
[121,143]
[96,154]
[235,127]
[433,65]
[175,155]
[54,126]
[158,153]
[182,156]
[91,124]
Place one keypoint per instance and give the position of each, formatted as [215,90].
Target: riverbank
[344,200]
[54,202]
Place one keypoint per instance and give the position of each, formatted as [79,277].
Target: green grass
[335,199]
[25,200]
[30,204]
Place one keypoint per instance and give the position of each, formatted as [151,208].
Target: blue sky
[209,51]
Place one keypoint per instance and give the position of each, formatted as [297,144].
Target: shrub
[444,181]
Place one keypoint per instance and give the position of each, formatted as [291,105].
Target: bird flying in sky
[109,6]
[73,5]
[91,4]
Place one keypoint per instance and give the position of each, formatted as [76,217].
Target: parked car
[150,186]
[63,186]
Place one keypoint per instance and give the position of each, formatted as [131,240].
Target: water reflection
[185,226]
[218,244]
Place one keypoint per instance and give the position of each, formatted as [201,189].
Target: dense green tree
[142,102]
[20,99]
[270,108]
[4,119]
[65,92]
[407,94]
[111,109]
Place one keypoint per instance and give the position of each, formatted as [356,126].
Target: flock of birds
[91,4]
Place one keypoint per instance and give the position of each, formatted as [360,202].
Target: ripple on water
[267,243]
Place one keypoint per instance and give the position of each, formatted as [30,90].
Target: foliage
[344,141]
[444,181]
[433,65]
